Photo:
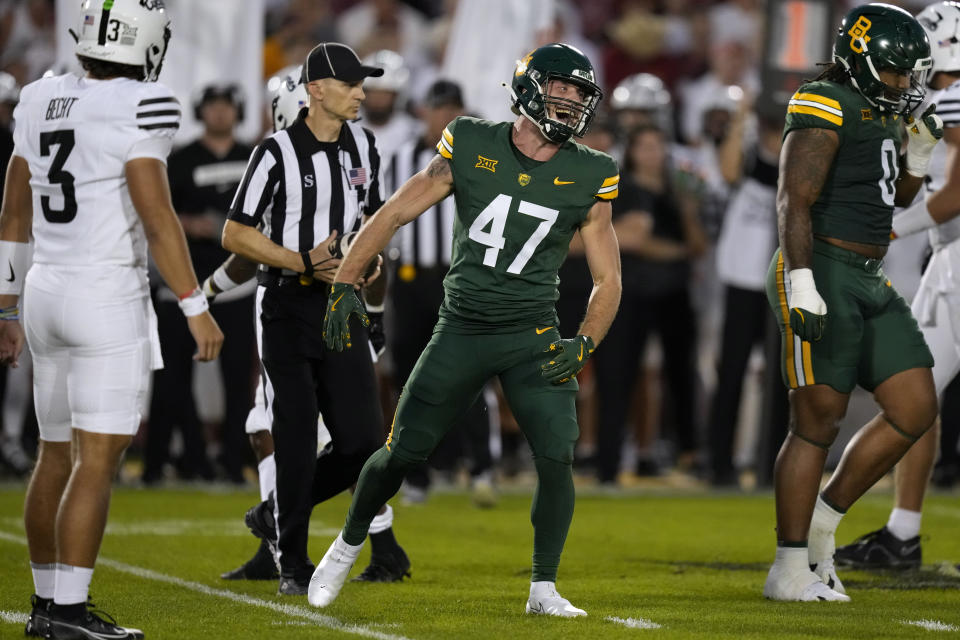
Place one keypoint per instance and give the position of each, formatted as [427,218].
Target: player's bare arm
[16,217]
[603,259]
[150,193]
[417,194]
[944,204]
[805,161]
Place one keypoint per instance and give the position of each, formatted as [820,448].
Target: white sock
[72,584]
[44,579]
[382,521]
[825,517]
[904,524]
[792,558]
[542,588]
[268,476]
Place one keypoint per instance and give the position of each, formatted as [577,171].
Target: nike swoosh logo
[580,357]
[557,181]
[802,319]
[12,274]
[542,331]
[905,551]
[333,307]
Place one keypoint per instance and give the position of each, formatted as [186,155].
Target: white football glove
[808,311]
[923,134]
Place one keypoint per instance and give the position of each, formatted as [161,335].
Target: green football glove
[567,358]
[808,311]
[342,303]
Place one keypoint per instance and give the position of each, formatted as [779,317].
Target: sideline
[289,610]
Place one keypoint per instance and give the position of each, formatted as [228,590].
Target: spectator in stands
[659,234]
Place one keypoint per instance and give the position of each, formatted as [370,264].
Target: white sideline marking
[13,617]
[177,527]
[290,610]
[931,625]
[635,623]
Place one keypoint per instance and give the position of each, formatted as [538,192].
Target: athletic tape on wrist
[223,281]
[15,261]
[194,304]
[374,308]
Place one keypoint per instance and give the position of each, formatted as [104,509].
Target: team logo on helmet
[858,33]
[152,5]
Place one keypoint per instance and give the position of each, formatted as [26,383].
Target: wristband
[15,260]
[10,313]
[373,308]
[223,281]
[194,303]
[307,263]
[913,219]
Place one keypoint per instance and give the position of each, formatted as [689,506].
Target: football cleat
[39,620]
[292,587]
[821,549]
[386,567]
[332,572]
[880,549]
[260,567]
[91,625]
[550,603]
[261,522]
[798,586]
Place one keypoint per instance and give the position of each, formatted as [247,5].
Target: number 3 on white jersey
[494,215]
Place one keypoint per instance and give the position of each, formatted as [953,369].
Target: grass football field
[647,564]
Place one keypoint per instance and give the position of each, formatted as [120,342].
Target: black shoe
[259,518]
[39,620]
[384,566]
[293,587]
[260,567]
[880,549]
[88,626]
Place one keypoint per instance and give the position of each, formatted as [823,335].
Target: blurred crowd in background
[687,383]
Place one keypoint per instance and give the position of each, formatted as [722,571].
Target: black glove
[378,337]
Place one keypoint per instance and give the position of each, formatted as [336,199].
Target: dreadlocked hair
[833,72]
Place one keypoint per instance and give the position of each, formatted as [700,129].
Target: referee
[303,188]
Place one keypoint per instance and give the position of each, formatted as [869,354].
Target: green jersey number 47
[494,216]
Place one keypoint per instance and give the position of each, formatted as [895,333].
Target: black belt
[292,283]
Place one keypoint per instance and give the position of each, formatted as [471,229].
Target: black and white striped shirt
[426,242]
[298,189]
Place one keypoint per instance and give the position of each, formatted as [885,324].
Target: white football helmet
[9,89]
[395,72]
[134,32]
[941,21]
[644,92]
[289,97]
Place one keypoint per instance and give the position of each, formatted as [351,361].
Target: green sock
[550,514]
[380,479]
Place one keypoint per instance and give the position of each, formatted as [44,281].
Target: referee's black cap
[336,60]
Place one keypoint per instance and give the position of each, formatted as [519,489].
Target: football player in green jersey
[522,189]
[841,321]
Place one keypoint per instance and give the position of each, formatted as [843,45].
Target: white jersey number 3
[494,215]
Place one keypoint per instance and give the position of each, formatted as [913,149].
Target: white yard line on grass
[14,617]
[289,610]
[635,623]
[931,625]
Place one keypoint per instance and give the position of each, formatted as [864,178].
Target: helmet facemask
[558,118]
[865,76]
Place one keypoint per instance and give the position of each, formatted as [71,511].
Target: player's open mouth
[564,115]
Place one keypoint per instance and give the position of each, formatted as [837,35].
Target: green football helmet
[876,37]
[558,118]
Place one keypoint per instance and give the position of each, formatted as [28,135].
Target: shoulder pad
[818,102]
[157,109]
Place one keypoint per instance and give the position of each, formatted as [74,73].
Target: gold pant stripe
[788,336]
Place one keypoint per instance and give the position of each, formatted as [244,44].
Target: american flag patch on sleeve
[357,176]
